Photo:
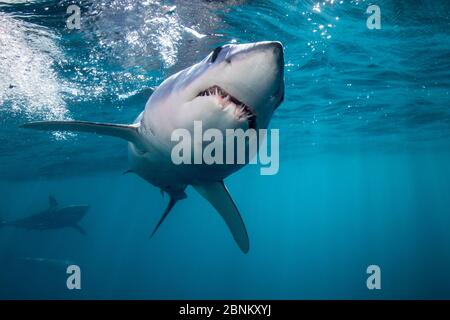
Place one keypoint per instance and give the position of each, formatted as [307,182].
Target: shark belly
[153,161]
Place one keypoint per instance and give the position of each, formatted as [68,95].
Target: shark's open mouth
[241,110]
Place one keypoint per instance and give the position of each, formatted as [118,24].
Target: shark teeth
[241,110]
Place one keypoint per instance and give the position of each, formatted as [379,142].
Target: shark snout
[277,50]
[275,47]
[253,75]
[82,210]
[74,212]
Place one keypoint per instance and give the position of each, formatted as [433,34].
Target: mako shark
[51,218]
[237,86]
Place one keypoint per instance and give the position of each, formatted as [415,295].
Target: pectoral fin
[217,194]
[126,132]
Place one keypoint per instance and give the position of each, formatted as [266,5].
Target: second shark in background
[53,217]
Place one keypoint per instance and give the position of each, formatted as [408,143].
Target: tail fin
[163,217]
[127,132]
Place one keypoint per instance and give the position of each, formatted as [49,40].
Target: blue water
[364,158]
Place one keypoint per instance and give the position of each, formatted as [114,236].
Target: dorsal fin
[53,204]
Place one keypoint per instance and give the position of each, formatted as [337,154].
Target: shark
[236,86]
[53,217]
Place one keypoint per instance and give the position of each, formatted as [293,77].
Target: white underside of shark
[234,87]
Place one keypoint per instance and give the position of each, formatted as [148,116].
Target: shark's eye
[215,54]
